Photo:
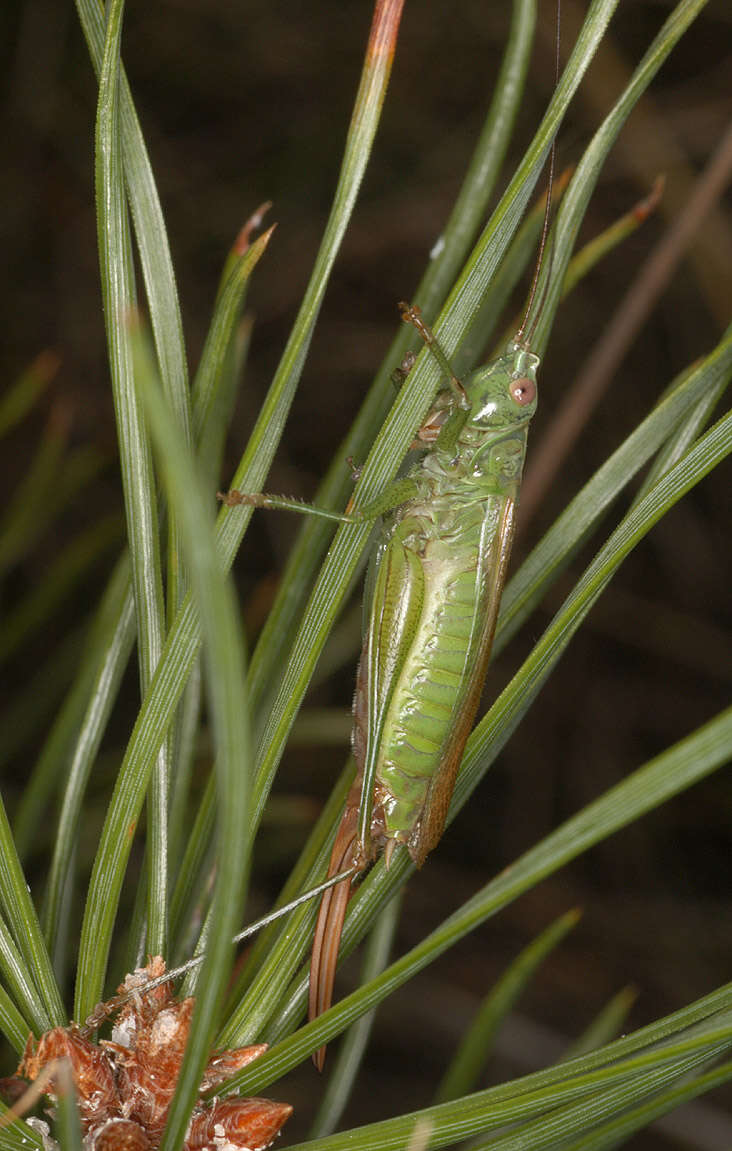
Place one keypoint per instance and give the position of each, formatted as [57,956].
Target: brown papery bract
[125,1086]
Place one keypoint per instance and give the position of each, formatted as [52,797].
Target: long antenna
[547,210]
[103,1010]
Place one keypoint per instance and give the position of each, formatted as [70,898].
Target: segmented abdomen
[433,699]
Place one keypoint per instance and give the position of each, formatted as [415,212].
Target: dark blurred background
[241,103]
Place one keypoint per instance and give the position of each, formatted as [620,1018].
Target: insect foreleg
[454,424]
[411,314]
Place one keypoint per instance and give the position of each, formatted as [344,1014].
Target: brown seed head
[244,1123]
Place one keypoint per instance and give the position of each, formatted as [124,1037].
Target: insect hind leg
[235,498]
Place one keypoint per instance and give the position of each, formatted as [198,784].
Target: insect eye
[523,391]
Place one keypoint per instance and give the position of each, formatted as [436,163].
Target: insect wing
[395,614]
[492,563]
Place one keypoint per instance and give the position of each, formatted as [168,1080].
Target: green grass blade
[12,1023]
[521,253]
[621,1063]
[19,978]
[582,185]
[68,728]
[615,1132]
[226,315]
[686,433]
[544,1133]
[111,658]
[18,1136]
[213,436]
[150,230]
[185,754]
[467,1065]
[606,1025]
[161,290]
[154,718]
[490,151]
[214,391]
[374,79]
[226,692]
[21,396]
[190,876]
[50,483]
[600,246]
[67,1127]
[24,717]
[367,110]
[20,913]
[138,482]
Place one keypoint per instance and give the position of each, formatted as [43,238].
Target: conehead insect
[438,572]
[439,569]
[440,565]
